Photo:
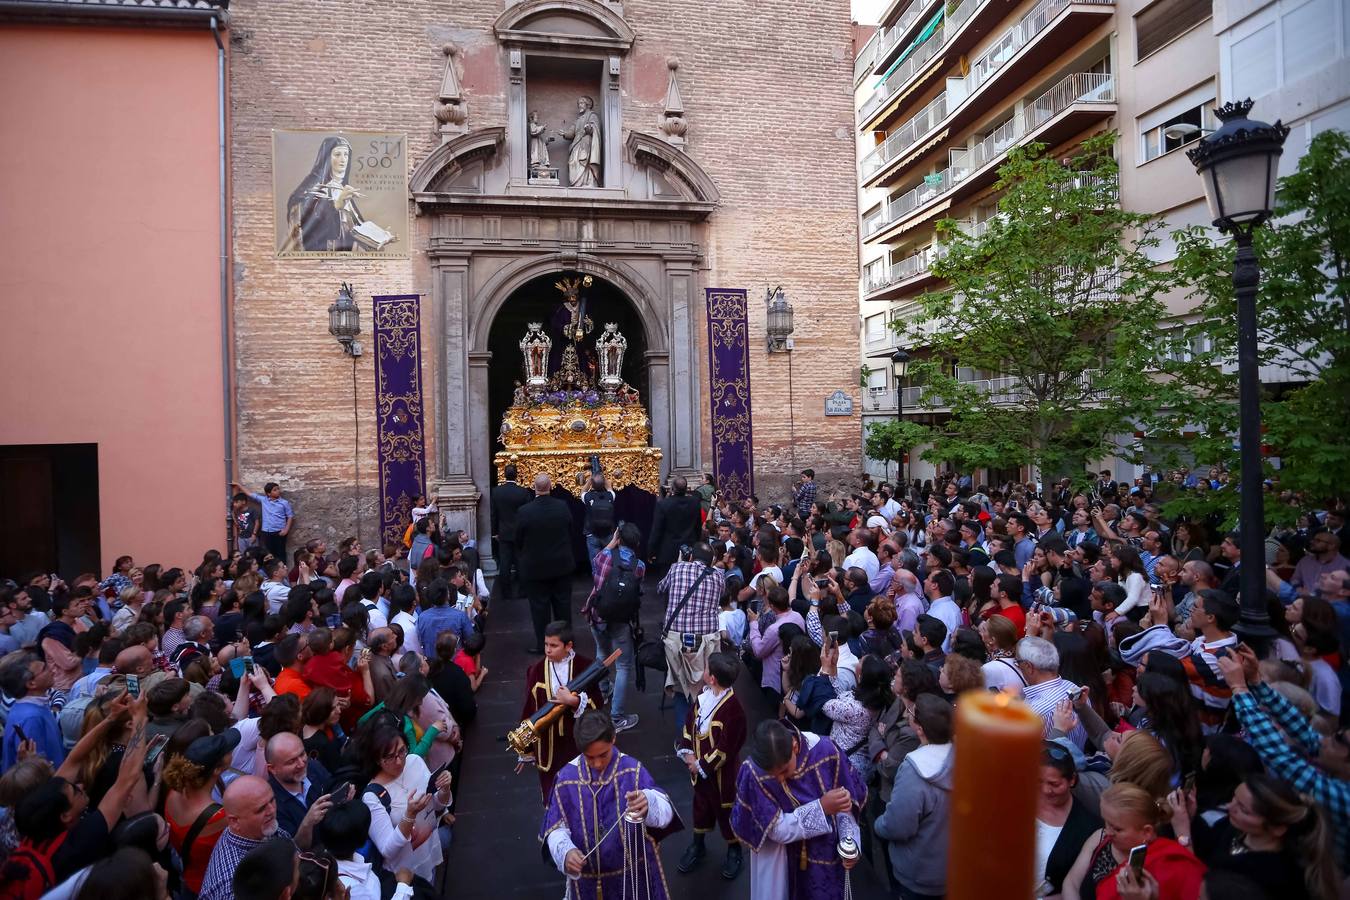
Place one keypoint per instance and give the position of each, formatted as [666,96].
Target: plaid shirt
[1287,755]
[699,615]
[604,561]
[229,851]
[804,496]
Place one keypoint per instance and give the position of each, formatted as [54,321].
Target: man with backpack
[600,523]
[612,608]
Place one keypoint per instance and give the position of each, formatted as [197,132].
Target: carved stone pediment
[452,166]
[564,25]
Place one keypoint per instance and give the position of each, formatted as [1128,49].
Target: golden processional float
[575,405]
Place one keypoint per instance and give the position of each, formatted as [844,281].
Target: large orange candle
[993,813]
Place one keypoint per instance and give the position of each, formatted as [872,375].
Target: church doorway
[536,301]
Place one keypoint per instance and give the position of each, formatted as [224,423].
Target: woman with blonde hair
[837,552]
[1131,817]
[1000,642]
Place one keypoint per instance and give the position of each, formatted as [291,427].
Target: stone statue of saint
[539,142]
[584,159]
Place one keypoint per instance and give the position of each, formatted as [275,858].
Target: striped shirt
[1044,697]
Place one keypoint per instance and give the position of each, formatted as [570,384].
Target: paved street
[496,850]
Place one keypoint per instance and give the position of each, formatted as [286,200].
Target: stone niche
[552,86]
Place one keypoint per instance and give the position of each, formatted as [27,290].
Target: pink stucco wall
[109,273]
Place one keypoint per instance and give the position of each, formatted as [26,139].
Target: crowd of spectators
[252,726]
[260,720]
[864,614]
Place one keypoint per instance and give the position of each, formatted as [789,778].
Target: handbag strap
[185,851]
[687,594]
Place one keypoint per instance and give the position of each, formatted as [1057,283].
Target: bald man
[250,819]
[546,563]
[296,780]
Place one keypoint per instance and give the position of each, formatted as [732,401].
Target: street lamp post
[899,368]
[1239,164]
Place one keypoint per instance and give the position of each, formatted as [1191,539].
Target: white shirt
[411,642]
[375,617]
[864,559]
[1002,674]
[556,675]
[397,850]
[362,882]
[732,622]
[773,572]
[889,509]
[945,608]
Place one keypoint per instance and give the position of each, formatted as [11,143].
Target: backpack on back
[29,873]
[599,513]
[620,594]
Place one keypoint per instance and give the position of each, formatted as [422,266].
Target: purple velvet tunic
[587,804]
[815,870]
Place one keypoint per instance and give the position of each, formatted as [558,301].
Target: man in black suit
[507,499]
[544,538]
[676,521]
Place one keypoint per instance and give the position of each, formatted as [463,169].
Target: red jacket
[1176,869]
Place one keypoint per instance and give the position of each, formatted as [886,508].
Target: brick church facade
[724,159]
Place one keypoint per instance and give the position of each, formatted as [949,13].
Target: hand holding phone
[1137,855]
[134,686]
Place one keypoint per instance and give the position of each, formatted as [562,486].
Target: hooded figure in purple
[797,796]
[590,795]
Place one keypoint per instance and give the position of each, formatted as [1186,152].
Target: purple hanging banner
[398,411]
[729,374]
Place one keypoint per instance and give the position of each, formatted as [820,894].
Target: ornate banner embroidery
[729,372]
[398,411]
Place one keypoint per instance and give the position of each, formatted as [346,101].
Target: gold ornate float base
[558,439]
[640,466]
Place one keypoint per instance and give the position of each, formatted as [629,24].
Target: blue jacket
[431,622]
[39,725]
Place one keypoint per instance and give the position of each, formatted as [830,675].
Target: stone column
[482,442]
[658,401]
[456,494]
[613,123]
[686,398]
[517,135]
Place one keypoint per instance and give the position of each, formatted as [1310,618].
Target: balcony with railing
[1046,31]
[954,35]
[1063,110]
[867,57]
[907,135]
[882,280]
[901,32]
[1006,389]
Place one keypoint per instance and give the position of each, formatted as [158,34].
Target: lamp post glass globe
[899,364]
[344,318]
[1239,165]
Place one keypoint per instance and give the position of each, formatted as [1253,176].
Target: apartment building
[945,88]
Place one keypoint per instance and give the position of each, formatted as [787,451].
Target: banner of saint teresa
[340,192]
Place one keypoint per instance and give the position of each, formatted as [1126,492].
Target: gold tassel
[803,862]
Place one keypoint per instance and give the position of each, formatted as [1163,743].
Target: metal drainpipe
[227,399]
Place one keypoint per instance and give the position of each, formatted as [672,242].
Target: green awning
[924,35]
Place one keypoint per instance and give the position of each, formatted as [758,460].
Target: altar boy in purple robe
[797,796]
[585,830]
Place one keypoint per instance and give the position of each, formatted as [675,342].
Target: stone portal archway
[536,301]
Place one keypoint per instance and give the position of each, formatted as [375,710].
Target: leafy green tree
[1056,306]
[889,440]
[1303,329]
